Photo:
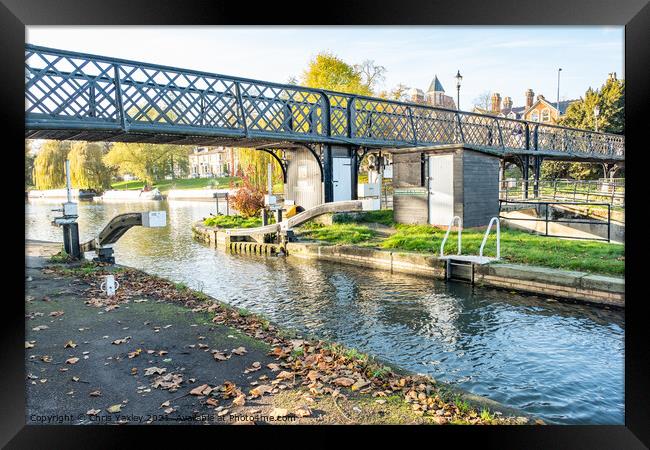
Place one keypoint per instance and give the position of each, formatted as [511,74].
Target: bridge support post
[537,167]
[524,170]
[354,167]
[328,187]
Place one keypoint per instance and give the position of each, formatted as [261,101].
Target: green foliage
[87,169]
[346,233]
[327,71]
[486,415]
[147,162]
[29,165]
[49,165]
[610,99]
[232,222]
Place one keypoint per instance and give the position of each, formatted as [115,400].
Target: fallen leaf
[239,351]
[70,344]
[46,358]
[121,341]
[135,353]
[115,408]
[204,389]
[223,412]
[56,313]
[71,360]
[303,412]
[284,375]
[93,412]
[279,412]
[95,393]
[154,370]
[165,404]
[30,344]
[212,401]
[219,356]
[344,381]
[40,327]
[260,390]
[274,367]
[240,400]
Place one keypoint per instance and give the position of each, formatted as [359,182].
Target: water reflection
[560,361]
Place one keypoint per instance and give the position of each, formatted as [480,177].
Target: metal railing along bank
[76,95]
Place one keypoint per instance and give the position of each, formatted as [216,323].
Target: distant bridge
[78,96]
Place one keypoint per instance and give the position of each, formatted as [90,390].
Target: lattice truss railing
[66,90]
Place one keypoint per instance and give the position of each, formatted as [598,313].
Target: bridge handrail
[254,108]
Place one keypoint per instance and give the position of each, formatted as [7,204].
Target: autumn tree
[327,71]
[87,168]
[49,165]
[255,164]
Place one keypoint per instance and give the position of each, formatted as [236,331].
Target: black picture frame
[633,14]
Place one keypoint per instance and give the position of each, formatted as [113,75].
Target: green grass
[233,222]
[384,217]
[341,233]
[190,183]
[517,247]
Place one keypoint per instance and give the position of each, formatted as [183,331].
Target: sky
[507,60]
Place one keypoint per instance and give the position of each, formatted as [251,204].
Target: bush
[232,222]
[248,200]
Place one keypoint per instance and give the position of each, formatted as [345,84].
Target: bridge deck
[71,95]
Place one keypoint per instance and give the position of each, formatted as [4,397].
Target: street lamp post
[558,90]
[459,78]
[596,114]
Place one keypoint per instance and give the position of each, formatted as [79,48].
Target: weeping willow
[49,165]
[87,170]
[254,163]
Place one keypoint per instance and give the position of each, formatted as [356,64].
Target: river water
[561,362]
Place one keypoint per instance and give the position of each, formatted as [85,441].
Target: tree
[255,164]
[371,73]
[29,164]
[87,169]
[483,101]
[399,93]
[610,99]
[49,165]
[148,162]
[327,71]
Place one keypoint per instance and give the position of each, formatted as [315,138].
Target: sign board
[411,191]
[153,219]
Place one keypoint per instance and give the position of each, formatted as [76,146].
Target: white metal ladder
[487,232]
[460,232]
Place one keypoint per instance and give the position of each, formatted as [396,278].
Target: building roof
[435,85]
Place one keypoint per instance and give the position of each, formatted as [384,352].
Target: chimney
[496,102]
[507,103]
[540,97]
[530,95]
[612,76]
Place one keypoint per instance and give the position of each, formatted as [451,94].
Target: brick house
[435,95]
[536,110]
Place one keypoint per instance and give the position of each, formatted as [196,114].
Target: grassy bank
[190,183]
[516,246]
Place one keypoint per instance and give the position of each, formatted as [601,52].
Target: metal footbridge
[78,96]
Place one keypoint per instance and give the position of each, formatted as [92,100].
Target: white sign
[152,219]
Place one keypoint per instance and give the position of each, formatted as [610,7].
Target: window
[546,115]
[535,116]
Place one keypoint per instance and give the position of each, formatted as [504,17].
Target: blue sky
[507,60]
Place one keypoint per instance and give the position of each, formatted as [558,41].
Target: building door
[441,189]
[342,178]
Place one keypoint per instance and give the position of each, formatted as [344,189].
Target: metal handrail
[248,108]
[487,232]
[460,231]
